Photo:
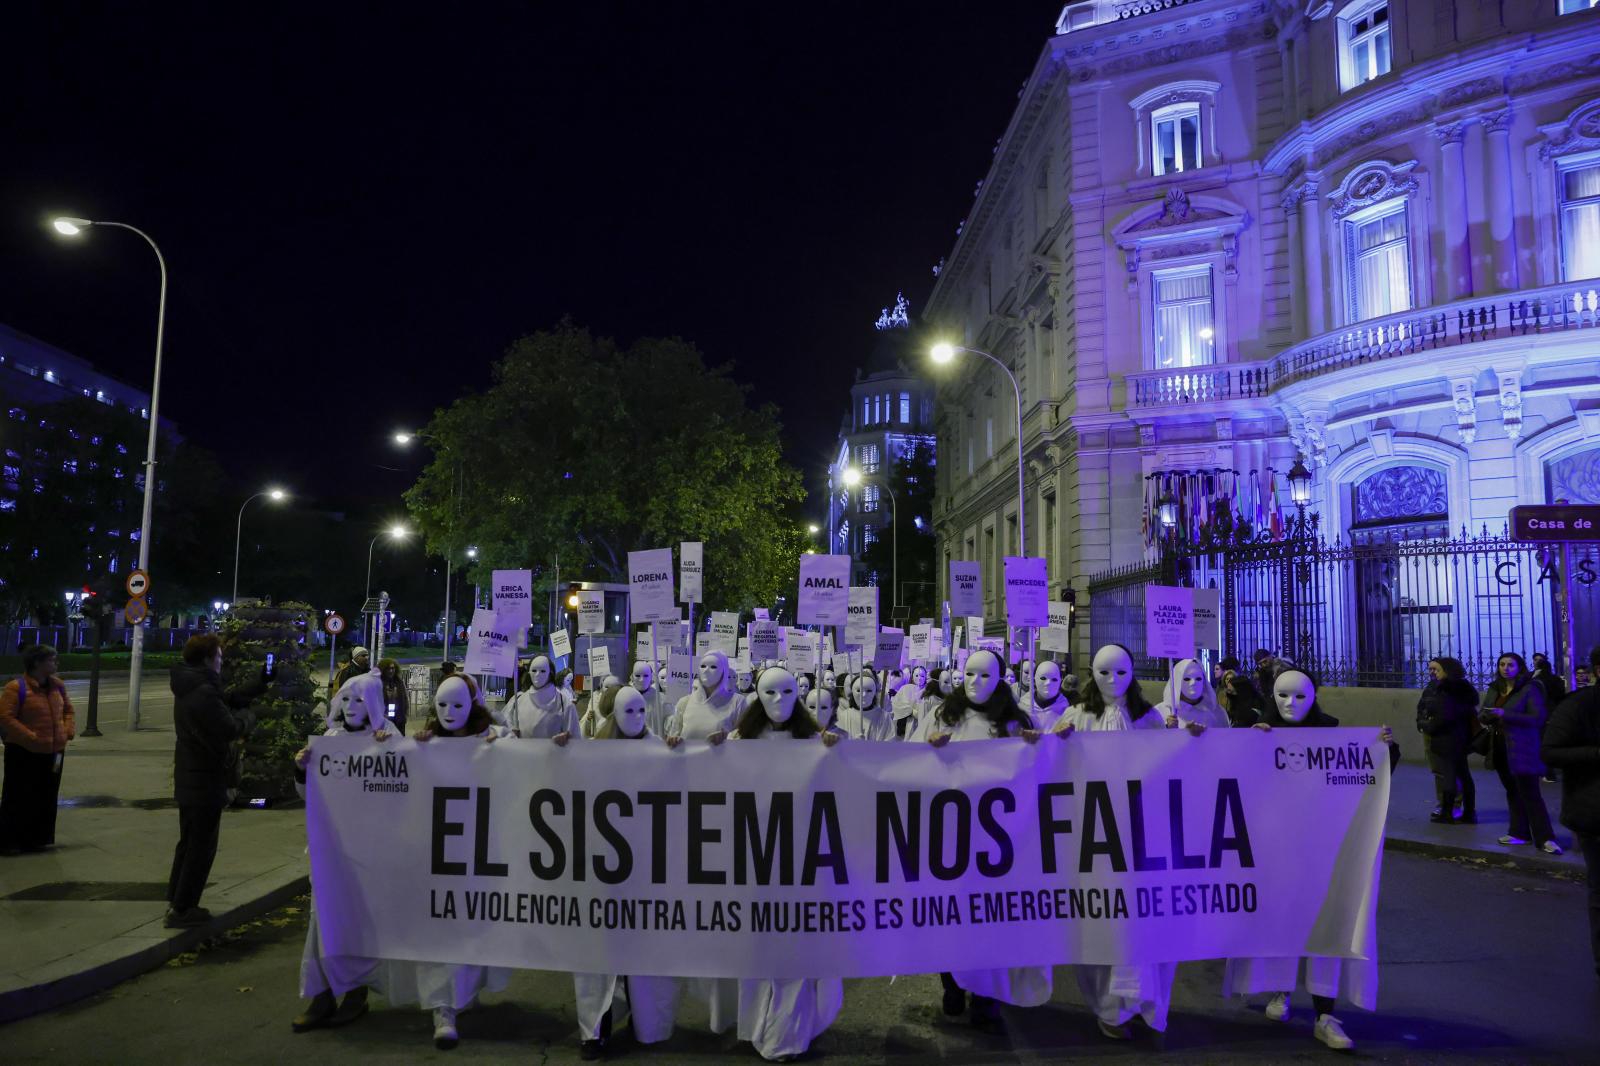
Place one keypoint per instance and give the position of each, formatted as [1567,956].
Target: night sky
[361,206]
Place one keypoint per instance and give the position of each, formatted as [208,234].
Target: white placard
[1027,591]
[702,643]
[691,570]
[918,652]
[725,632]
[966,587]
[1060,613]
[599,661]
[512,601]
[491,650]
[802,654]
[1168,622]
[762,614]
[840,663]
[955,642]
[862,628]
[887,650]
[763,641]
[650,585]
[560,643]
[1055,638]
[1208,618]
[824,590]
[974,631]
[591,612]
[680,675]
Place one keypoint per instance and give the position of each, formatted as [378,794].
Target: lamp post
[397,532]
[853,477]
[945,352]
[276,496]
[404,438]
[1294,568]
[73,227]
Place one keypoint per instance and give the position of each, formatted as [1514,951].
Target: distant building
[1221,236]
[891,416]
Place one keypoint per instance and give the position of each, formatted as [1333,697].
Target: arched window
[1399,503]
[1574,478]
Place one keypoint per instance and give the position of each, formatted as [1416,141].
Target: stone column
[1304,195]
[1502,203]
[1452,194]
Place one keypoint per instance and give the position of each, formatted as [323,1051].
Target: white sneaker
[444,1028]
[1330,1032]
[1550,847]
[1278,1007]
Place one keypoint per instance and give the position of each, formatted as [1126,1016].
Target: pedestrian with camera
[207,721]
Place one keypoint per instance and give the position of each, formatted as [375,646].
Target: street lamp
[813,529]
[396,532]
[1300,484]
[853,477]
[1167,510]
[276,495]
[403,438]
[74,227]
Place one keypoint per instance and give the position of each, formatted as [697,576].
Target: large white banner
[650,585]
[491,649]
[691,570]
[862,628]
[797,860]
[824,590]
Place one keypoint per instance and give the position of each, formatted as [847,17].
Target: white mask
[919,677]
[829,680]
[1192,686]
[803,685]
[1011,677]
[642,677]
[820,703]
[1046,683]
[360,702]
[742,680]
[1294,694]
[865,692]
[1113,672]
[776,690]
[713,668]
[539,672]
[982,676]
[947,682]
[896,680]
[452,703]
[627,710]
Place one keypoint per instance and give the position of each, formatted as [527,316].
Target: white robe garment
[542,713]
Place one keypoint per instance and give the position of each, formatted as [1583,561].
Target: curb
[1535,862]
[35,999]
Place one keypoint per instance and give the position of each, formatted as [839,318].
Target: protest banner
[974,631]
[599,661]
[1208,618]
[702,643]
[888,649]
[1060,613]
[1027,591]
[862,628]
[824,590]
[1055,638]
[768,860]
[763,641]
[1168,622]
[840,662]
[591,612]
[801,655]
[918,650]
[680,675]
[512,602]
[560,643]
[691,570]
[491,650]
[966,588]
[650,585]
[725,632]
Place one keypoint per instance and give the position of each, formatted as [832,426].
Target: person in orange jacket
[36,723]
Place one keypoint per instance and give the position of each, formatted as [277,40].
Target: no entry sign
[138,583]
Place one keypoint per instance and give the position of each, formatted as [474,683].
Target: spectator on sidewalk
[395,701]
[1514,710]
[1237,695]
[359,663]
[206,722]
[1444,717]
[1572,742]
[36,723]
[1555,690]
[1583,676]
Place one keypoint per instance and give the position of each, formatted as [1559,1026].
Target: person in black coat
[1572,743]
[206,722]
[1444,716]
[1514,709]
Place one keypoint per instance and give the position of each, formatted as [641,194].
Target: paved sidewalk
[88,915]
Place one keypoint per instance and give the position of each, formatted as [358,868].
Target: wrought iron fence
[1370,612]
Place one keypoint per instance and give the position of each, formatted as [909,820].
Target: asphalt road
[1479,965]
[155,700]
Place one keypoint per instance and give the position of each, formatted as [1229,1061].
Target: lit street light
[404,438]
[853,477]
[397,532]
[74,227]
[813,529]
[276,496]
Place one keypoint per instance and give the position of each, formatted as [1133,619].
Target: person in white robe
[1189,699]
[543,709]
[864,715]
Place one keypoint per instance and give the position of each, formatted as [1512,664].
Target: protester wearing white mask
[782,1016]
[711,708]
[658,712]
[543,709]
[907,699]
[1189,700]
[983,708]
[445,988]
[607,1001]
[819,701]
[1045,702]
[864,716]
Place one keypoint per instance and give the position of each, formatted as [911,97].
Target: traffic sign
[135,610]
[334,624]
[1555,522]
[138,583]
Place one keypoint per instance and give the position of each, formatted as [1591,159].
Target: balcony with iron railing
[1532,312]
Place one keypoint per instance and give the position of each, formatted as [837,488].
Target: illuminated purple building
[1218,237]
